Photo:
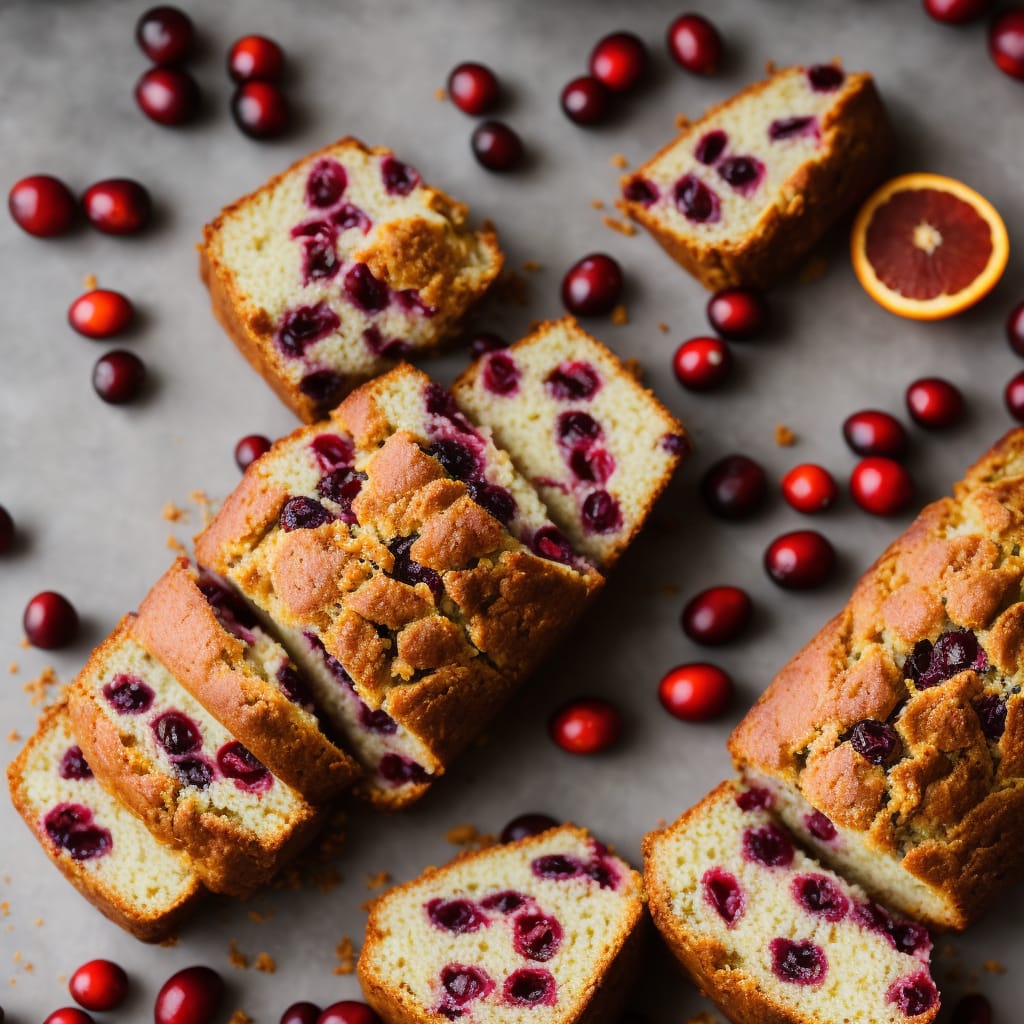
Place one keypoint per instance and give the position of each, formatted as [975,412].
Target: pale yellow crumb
[236,957]
[784,437]
[174,513]
[620,161]
[89,282]
[619,315]
[664,327]
[13,668]
[623,227]
[200,498]
[265,962]
[993,967]
[378,881]
[461,835]
[440,94]
[532,266]
[255,915]
[13,736]
[346,954]
[682,122]
[597,204]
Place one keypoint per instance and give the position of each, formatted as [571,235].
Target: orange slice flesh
[926,247]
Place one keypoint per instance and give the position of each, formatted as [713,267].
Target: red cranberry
[702,364]
[973,1008]
[696,692]
[695,44]
[100,313]
[734,487]
[526,825]
[1006,41]
[69,1015]
[799,560]
[873,432]
[6,531]
[250,448]
[348,1011]
[168,96]
[881,486]
[619,61]
[1014,396]
[586,100]
[189,997]
[99,985]
[50,621]
[1015,328]
[956,12]
[165,35]
[496,146]
[260,110]
[473,88]
[809,488]
[255,57]
[587,726]
[301,1013]
[592,286]
[117,206]
[935,403]
[738,313]
[42,205]
[717,615]
[118,376]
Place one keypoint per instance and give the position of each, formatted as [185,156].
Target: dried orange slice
[926,247]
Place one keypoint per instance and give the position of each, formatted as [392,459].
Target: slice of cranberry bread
[895,739]
[171,763]
[212,643]
[747,190]
[598,447]
[340,266]
[102,849]
[547,929]
[770,935]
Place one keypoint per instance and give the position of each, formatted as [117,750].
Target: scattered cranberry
[619,61]
[496,146]
[1006,41]
[592,286]
[735,487]
[473,88]
[881,486]
[973,1008]
[738,313]
[69,1015]
[42,205]
[1014,396]
[702,364]
[165,35]
[873,432]
[586,100]
[956,12]
[260,110]
[348,1011]
[717,615]
[695,44]
[189,997]
[168,96]
[100,313]
[117,206]
[809,488]
[6,531]
[99,985]
[301,1013]
[255,57]
[799,560]
[50,621]
[935,403]
[587,726]
[250,448]
[526,825]
[696,692]
[1015,329]
[118,376]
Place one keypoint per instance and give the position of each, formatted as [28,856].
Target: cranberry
[743,173]
[462,984]
[165,35]
[189,997]
[738,313]
[809,488]
[168,96]
[239,764]
[619,61]
[1014,396]
[473,88]
[1006,41]
[100,313]
[586,100]
[820,826]
[881,486]
[530,987]
[723,892]
[260,110]
[573,381]
[300,1013]
[99,985]
[717,615]
[696,201]
[702,364]
[118,376]
[250,448]
[600,511]
[757,798]
[586,726]
[818,894]
[348,1011]
[802,963]
[873,432]
[696,692]
[42,205]
[6,531]
[255,57]
[177,733]
[735,487]
[769,845]
[69,1015]
[956,12]
[877,742]
[935,403]
[50,621]
[505,902]
[973,1008]
[825,77]
[915,994]
[592,286]
[526,825]
[556,865]
[799,560]
[117,206]
[1015,328]
[128,695]
[695,44]
[711,146]
[640,190]
[455,916]
[399,178]
[496,146]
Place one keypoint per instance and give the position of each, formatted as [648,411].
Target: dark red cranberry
[69,1015]
[556,865]
[456,458]
[696,692]
[71,827]
[702,364]
[118,376]
[991,712]
[738,313]
[364,290]
[117,206]
[169,96]
[1015,328]
[99,985]
[501,375]
[820,826]
[735,487]
[255,57]
[801,963]
[239,764]
[506,902]
[915,994]
[883,487]
[530,986]
[696,201]
[303,513]
[799,560]
[935,403]
[592,286]
[769,845]
[462,984]
[956,12]
[743,173]
[825,77]
[819,894]
[73,765]
[572,381]
[473,88]
[300,1013]
[486,341]
[587,726]
[640,190]
[333,451]
[791,127]
[1014,396]
[536,937]
[695,44]
[756,798]
[399,178]
[910,937]
[809,488]
[619,61]
[1006,41]
[600,512]
[128,695]
[873,432]
[250,448]
[710,146]
[973,1008]
[100,313]
[305,325]
[548,542]
[526,825]
[177,733]
[260,110]
[717,615]
[42,205]
[593,464]
[877,742]
[348,1011]
[724,894]
[496,146]
[6,531]
[165,35]
[191,996]
[50,621]
[954,651]
[586,100]
[455,916]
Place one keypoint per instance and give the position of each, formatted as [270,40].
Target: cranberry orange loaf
[598,447]
[895,740]
[547,929]
[768,933]
[102,849]
[340,266]
[172,764]
[211,642]
[748,189]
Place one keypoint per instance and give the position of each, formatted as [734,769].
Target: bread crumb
[89,282]
[619,315]
[682,122]
[532,266]
[467,835]
[378,881]
[39,922]
[633,368]
[240,1017]
[29,967]
[619,160]
[265,962]
[5,908]
[12,981]
[13,736]
[255,915]
[770,67]
[346,954]
[200,498]
[175,545]
[622,226]
[174,513]
[24,642]
[37,688]
[784,437]
[440,94]
[597,204]
[236,957]
[14,668]
[17,956]
[664,327]
[993,967]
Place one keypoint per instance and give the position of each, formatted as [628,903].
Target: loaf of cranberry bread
[747,190]
[212,643]
[769,934]
[102,849]
[171,763]
[595,443]
[894,742]
[340,266]
[547,929]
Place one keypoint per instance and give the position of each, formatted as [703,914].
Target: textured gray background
[86,482]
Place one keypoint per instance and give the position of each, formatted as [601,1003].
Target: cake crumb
[240,1017]
[5,908]
[682,122]
[37,688]
[174,544]
[664,327]
[440,94]
[265,963]
[597,204]
[784,437]
[532,266]
[174,513]
[346,954]
[29,967]
[813,270]
[17,956]
[619,315]
[378,881]
[468,836]
[634,369]
[39,922]
[14,668]
[620,161]
[24,642]
[202,500]
[89,282]
[13,736]
[236,957]
[255,915]
[993,967]
[623,227]
[770,67]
